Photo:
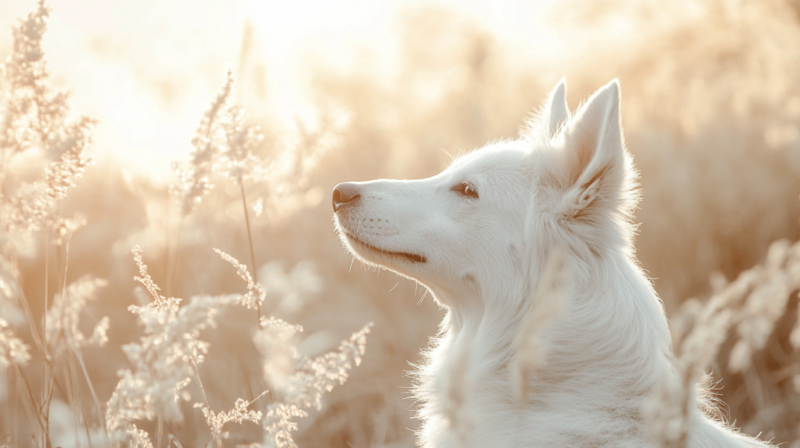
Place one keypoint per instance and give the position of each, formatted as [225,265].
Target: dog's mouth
[414,258]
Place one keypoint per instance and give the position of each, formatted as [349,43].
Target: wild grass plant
[710,115]
[37,119]
[740,323]
[166,358]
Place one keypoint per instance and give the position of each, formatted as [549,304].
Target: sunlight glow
[150,76]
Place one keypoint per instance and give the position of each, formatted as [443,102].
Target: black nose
[344,193]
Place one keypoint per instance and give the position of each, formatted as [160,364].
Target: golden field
[187,159]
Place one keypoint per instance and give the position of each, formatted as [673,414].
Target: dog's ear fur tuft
[600,177]
[557,109]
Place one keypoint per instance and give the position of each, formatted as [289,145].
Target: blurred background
[357,90]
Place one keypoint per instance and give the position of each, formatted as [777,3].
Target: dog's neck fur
[605,354]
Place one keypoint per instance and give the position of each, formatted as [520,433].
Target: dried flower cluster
[668,412]
[226,144]
[752,304]
[287,176]
[769,287]
[274,341]
[64,315]
[36,121]
[241,139]
[195,175]
[166,358]
[255,292]
[290,288]
[238,414]
[300,381]
[12,349]
[159,302]
[33,117]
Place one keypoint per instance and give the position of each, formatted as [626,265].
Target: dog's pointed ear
[557,109]
[600,175]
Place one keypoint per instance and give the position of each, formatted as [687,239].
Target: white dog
[478,235]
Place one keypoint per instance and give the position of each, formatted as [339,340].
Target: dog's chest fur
[473,404]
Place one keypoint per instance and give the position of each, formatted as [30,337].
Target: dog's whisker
[422,298]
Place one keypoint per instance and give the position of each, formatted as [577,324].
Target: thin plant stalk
[99,409]
[171,236]
[173,260]
[167,243]
[243,369]
[76,396]
[205,397]
[249,240]
[43,347]
[200,383]
[32,404]
[252,260]
[71,389]
[13,405]
[159,431]
[37,339]
[45,408]
[86,428]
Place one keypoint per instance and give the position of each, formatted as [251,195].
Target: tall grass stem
[32,403]
[250,241]
[252,261]
[99,408]
[43,347]
[159,431]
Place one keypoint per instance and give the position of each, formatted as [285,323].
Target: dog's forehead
[492,158]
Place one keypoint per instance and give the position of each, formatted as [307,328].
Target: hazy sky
[147,69]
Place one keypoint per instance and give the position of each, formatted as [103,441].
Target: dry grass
[711,110]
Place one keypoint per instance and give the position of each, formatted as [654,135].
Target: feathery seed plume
[302,388]
[194,176]
[12,349]
[64,315]
[238,414]
[255,292]
[165,359]
[34,117]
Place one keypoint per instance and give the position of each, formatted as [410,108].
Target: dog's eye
[465,189]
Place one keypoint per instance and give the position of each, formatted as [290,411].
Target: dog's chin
[379,256]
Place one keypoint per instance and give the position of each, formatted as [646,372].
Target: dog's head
[493,213]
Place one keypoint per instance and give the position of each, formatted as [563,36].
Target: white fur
[569,182]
